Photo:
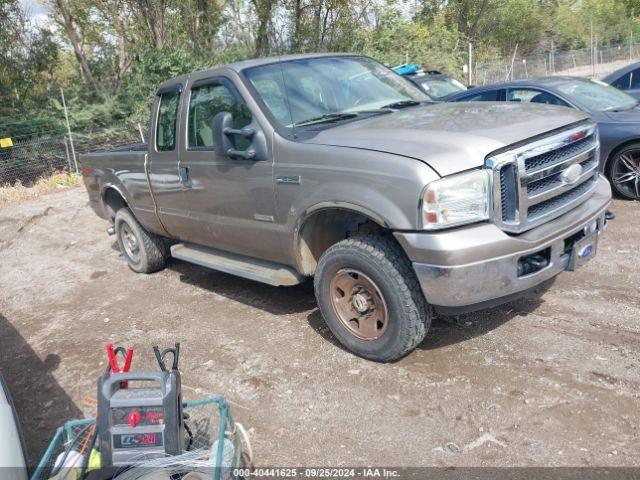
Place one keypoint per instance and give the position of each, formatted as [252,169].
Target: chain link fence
[587,62]
[33,157]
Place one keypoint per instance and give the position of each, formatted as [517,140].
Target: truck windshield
[329,89]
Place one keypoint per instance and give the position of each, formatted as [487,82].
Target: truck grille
[537,182]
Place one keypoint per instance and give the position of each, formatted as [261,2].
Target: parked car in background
[13,454]
[616,113]
[438,85]
[434,83]
[626,79]
[333,167]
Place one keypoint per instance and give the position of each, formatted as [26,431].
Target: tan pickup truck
[334,167]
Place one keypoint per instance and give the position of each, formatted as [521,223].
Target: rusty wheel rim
[359,304]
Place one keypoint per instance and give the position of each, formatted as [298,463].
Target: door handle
[184,177]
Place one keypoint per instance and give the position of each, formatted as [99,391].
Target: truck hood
[449,137]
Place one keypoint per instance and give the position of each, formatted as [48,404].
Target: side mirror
[224,136]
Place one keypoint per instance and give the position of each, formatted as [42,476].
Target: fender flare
[107,186]
[103,196]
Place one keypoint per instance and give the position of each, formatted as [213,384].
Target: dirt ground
[546,380]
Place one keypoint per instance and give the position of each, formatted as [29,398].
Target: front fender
[383,187]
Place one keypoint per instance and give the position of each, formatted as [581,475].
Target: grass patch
[18,192]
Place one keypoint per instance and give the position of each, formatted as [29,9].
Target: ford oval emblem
[571,174]
[585,251]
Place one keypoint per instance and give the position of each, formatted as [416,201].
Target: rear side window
[623,82]
[635,79]
[490,96]
[205,103]
[166,124]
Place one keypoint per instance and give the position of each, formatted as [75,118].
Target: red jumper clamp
[113,361]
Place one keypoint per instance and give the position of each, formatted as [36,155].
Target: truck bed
[122,169]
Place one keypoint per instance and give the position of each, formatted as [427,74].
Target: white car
[13,456]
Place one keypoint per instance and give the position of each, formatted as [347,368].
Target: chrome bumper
[474,267]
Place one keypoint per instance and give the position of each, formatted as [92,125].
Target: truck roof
[254,62]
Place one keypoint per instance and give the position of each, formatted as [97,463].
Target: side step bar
[263,271]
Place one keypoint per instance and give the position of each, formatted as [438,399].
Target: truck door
[231,200]
[163,171]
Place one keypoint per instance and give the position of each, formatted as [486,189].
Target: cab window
[205,103]
[166,122]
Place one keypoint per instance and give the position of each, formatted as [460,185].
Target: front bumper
[474,267]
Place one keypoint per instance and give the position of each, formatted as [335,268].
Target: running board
[263,271]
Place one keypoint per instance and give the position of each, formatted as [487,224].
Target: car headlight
[456,200]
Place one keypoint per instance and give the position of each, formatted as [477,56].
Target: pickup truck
[334,167]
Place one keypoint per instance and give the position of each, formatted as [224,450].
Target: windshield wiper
[327,117]
[402,104]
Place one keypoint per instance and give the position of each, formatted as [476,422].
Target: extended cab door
[231,200]
[163,172]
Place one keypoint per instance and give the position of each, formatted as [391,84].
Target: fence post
[66,149]
[593,67]
[66,117]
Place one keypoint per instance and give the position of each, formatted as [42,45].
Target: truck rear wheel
[144,251]
[370,298]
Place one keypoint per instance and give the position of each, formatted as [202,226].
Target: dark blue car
[627,79]
[617,115]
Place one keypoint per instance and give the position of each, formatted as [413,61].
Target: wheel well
[326,227]
[614,151]
[113,201]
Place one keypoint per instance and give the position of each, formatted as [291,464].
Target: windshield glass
[439,87]
[597,96]
[300,91]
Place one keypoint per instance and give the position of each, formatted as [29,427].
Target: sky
[35,11]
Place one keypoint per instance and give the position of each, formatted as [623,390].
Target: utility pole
[66,117]
[469,62]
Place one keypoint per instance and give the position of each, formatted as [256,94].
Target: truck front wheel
[370,298]
[144,251]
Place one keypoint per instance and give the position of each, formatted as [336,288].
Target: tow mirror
[225,137]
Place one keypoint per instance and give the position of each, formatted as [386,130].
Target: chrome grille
[542,207]
[531,184]
[557,156]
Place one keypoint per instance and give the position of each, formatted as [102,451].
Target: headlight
[456,200]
